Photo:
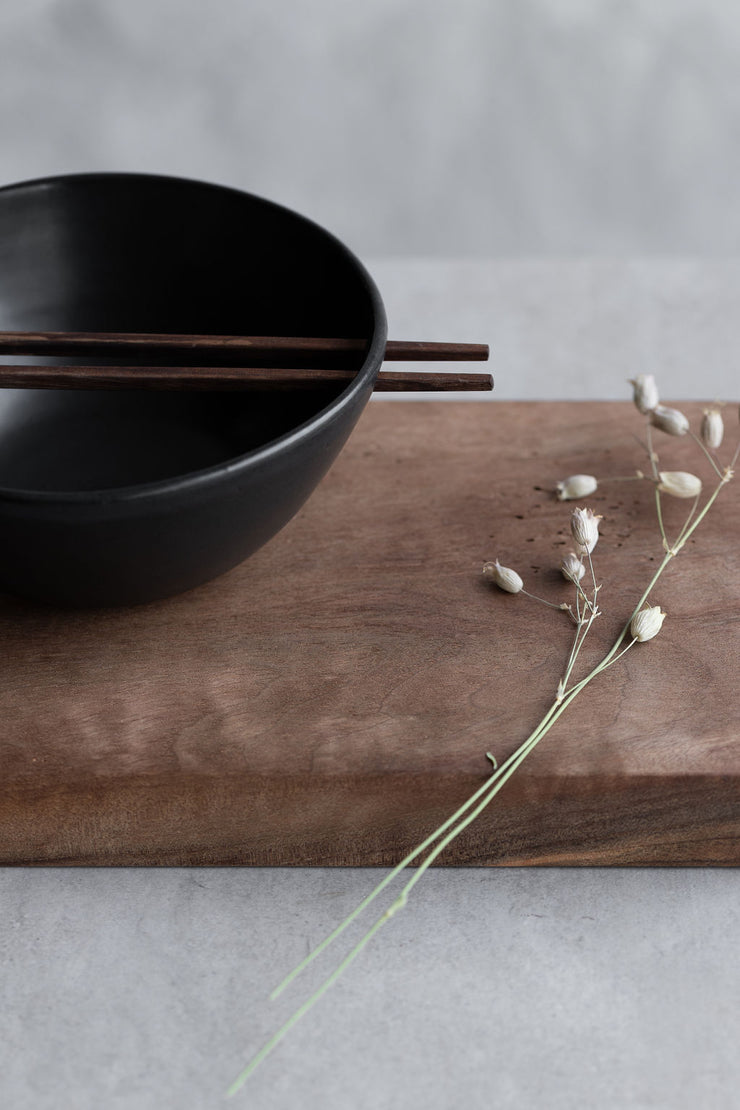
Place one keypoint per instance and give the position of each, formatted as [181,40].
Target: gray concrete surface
[472,127]
[557,989]
[143,990]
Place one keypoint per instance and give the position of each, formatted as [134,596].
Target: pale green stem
[666,544]
[302,1011]
[593,575]
[577,648]
[395,871]
[696,440]
[535,598]
[582,593]
[579,591]
[651,453]
[488,791]
[618,642]
[502,773]
[689,533]
[485,793]
[571,657]
[602,666]
[687,522]
[519,756]
[664,563]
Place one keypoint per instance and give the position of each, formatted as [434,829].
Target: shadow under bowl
[125,497]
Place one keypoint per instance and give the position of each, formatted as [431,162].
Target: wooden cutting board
[331,700]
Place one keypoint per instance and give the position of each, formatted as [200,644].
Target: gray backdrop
[420,127]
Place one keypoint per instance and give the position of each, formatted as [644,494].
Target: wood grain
[331,700]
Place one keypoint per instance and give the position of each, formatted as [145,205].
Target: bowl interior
[149,254]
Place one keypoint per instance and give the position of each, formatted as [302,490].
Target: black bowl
[121,498]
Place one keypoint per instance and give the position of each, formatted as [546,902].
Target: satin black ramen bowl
[117,498]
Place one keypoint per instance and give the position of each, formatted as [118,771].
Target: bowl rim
[198,480]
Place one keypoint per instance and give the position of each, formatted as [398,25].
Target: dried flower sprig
[584,527]
[645,393]
[647,623]
[576,487]
[511,583]
[572,568]
[712,429]
[642,625]
[504,577]
[679,483]
[671,421]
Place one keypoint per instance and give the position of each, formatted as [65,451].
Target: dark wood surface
[331,700]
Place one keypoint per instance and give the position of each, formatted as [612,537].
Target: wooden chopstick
[245,362]
[224,378]
[288,350]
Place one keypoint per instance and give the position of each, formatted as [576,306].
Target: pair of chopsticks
[257,362]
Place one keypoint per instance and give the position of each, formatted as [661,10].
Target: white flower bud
[669,420]
[645,392]
[572,568]
[712,428]
[647,623]
[584,528]
[679,483]
[575,487]
[504,577]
